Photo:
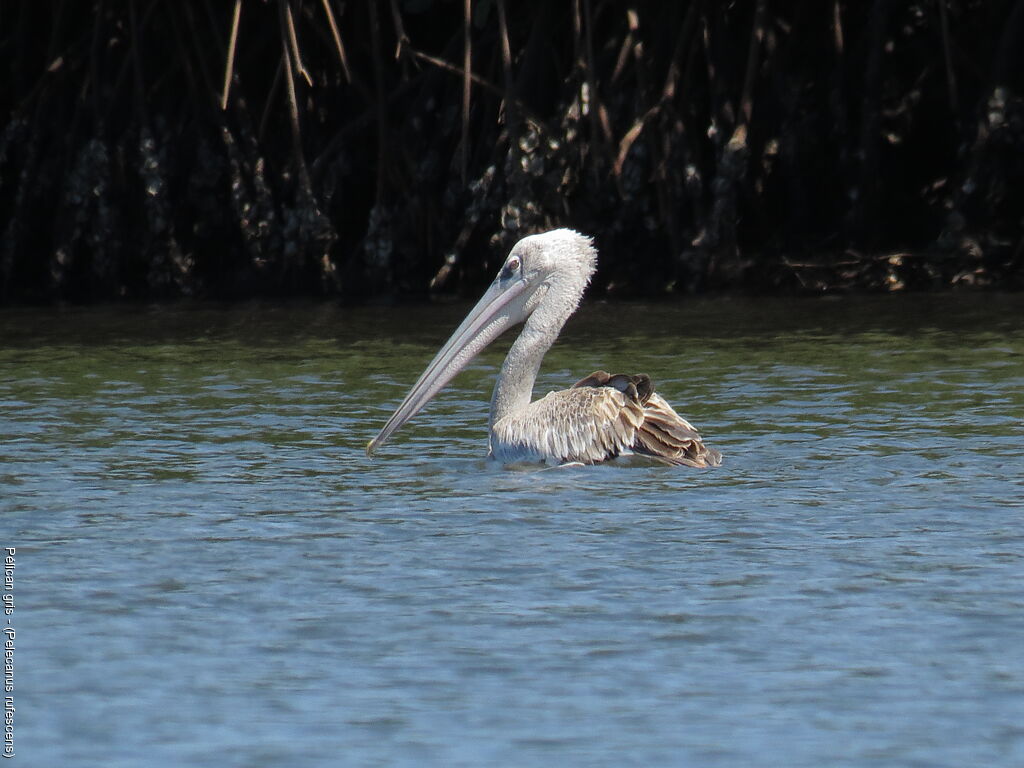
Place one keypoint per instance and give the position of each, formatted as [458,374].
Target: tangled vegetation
[368,148]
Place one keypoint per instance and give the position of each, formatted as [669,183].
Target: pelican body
[599,418]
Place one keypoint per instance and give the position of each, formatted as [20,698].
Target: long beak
[485,322]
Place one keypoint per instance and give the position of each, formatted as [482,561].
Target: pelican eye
[511,267]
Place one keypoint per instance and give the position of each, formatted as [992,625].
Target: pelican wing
[603,416]
[663,434]
[669,437]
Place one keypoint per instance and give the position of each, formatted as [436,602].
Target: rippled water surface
[211,572]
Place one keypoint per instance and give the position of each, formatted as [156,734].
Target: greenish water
[211,572]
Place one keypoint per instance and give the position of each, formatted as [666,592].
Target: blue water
[211,572]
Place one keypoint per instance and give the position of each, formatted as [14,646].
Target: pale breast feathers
[586,424]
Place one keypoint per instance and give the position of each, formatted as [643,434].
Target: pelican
[601,417]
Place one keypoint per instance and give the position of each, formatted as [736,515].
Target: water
[211,572]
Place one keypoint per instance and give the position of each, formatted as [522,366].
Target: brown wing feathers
[663,434]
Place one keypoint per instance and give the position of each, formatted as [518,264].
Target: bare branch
[230,65]
[342,57]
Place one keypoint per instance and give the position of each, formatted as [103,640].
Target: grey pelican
[601,417]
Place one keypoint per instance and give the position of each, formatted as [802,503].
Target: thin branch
[628,139]
[293,103]
[229,67]
[633,23]
[294,41]
[506,51]
[337,40]
[837,28]
[467,68]
[598,113]
[401,37]
[948,53]
[447,66]
[753,60]
[668,90]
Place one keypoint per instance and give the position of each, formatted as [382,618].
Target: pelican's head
[558,263]
[561,261]
[560,252]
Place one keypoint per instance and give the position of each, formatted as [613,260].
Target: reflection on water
[212,572]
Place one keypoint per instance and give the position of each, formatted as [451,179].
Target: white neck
[514,388]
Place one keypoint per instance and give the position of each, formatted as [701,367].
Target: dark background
[822,145]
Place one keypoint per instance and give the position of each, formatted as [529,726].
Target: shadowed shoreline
[372,150]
